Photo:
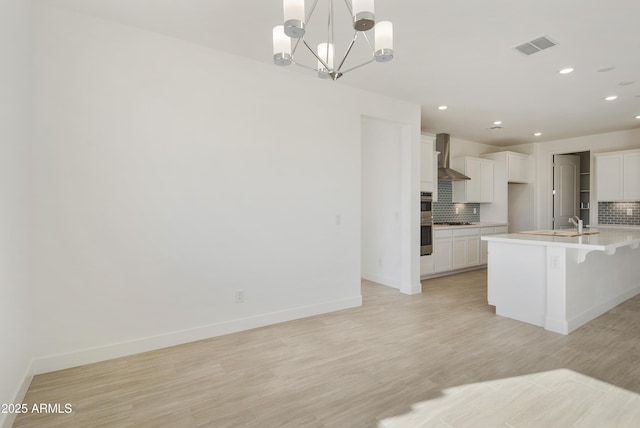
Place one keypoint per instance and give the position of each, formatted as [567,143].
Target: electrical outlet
[475,211]
[629,211]
[239,296]
[457,210]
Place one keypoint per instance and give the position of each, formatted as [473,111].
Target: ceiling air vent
[537,45]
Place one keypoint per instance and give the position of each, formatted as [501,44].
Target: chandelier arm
[324,64]
[348,4]
[295,47]
[313,7]
[358,66]
[344,58]
[329,27]
[373,50]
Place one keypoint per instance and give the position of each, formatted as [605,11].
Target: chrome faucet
[576,222]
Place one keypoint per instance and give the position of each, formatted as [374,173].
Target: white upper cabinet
[618,176]
[517,165]
[480,186]
[609,177]
[631,176]
[518,168]
[428,166]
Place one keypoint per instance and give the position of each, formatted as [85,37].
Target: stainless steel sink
[561,232]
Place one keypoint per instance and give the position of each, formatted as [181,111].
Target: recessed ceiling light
[537,134]
[566,70]
[638,116]
[497,122]
[611,98]
[443,108]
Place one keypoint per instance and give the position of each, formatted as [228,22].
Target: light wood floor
[439,359]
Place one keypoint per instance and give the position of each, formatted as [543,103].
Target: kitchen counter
[605,240]
[561,283]
[476,224]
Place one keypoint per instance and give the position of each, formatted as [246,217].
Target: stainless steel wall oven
[426,224]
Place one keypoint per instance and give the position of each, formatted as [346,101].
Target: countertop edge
[568,242]
[467,226]
[615,226]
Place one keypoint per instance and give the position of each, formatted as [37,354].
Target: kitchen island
[561,283]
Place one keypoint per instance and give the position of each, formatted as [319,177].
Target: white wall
[169,175]
[15,353]
[522,212]
[381,201]
[544,152]
[460,147]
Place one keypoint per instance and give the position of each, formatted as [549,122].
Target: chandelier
[288,37]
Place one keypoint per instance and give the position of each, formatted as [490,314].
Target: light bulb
[384,41]
[325,51]
[281,46]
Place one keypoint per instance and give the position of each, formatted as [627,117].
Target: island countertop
[562,282]
[605,240]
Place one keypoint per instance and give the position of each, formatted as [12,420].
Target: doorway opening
[571,188]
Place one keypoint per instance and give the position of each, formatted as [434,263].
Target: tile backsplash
[616,212]
[444,210]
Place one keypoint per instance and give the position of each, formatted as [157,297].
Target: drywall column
[15,352]
[381,201]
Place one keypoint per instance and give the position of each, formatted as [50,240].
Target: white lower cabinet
[466,248]
[427,265]
[455,249]
[442,251]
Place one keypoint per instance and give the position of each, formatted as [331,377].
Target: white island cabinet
[561,283]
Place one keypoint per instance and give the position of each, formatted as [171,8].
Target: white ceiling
[454,52]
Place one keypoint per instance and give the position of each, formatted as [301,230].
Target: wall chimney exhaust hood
[445,173]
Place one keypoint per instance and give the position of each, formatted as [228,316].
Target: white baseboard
[415,289]
[576,322]
[556,325]
[379,279]
[451,272]
[7,420]
[122,349]
[393,283]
